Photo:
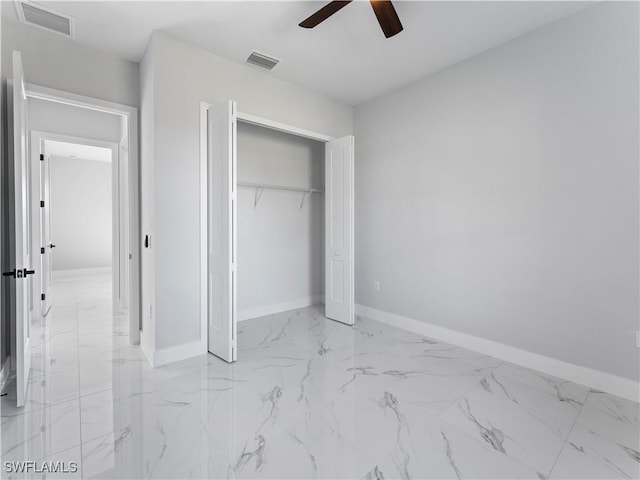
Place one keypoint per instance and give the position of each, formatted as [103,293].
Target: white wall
[52,117]
[57,62]
[182,76]
[81,201]
[500,197]
[280,245]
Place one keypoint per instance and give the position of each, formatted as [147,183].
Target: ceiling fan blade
[387,17]
[324,13]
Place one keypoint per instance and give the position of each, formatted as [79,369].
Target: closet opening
[277,230]
[280,212]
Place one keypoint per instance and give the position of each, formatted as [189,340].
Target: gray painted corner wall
[81,213]
[204,76]
[500,197]
[54,61]
[280,245]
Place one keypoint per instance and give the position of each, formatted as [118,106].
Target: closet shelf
[261,186]
[280,187]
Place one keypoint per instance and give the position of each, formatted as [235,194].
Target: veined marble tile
[618,408]
[508,426]
[43,390]
[440,451]
[308,398]
[553,404]
[585,456]
[38,434]
[604,441]
[564,390]
[216,467]
[304,448]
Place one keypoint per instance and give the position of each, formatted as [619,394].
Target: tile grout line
[566,440]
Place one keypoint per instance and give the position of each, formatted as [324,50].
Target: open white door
[22,272]
[339,271]
[46,249]
[221,218]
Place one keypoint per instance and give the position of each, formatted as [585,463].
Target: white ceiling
[74,150]
[347,57]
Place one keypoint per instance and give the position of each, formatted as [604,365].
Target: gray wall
[174,221]
[81,201]
[280,245]
[499,197]
[57,62]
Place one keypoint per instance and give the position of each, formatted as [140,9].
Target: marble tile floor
[308,398]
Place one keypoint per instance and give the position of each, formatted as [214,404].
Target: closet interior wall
[280,232]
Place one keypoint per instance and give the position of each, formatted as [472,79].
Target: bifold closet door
[339,258]
[221,250]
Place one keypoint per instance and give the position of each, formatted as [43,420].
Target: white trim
[81,272]
[204,261]
[606,382]
[146,349]
[250,313]
[130,176]
[282,127]
[82,101]
[165,356]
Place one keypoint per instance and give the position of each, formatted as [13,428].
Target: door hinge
[42,250]
[43,296]
[42,157]
[42,203]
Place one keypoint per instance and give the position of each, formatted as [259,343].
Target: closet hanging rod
[280,187]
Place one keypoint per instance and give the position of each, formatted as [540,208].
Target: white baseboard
[606,382]
[165,356]
[250,313]
[81,271]
[146,348]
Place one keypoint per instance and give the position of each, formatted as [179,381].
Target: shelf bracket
[257,196]
[304,197]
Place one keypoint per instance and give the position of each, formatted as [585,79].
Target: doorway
[79,221]
[127,245]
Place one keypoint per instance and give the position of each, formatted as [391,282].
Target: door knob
[12,273]
[28,272]
[51,245]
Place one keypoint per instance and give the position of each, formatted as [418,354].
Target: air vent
[44,17]
[262,60]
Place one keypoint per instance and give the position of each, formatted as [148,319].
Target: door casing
[129,171]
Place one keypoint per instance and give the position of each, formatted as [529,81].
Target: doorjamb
[120,226]
[129,160]
[245,118]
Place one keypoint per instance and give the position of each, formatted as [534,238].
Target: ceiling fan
[386,14]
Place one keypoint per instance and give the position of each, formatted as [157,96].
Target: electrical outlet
[376,285]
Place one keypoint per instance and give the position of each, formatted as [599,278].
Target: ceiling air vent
[262,60]
[44,17]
